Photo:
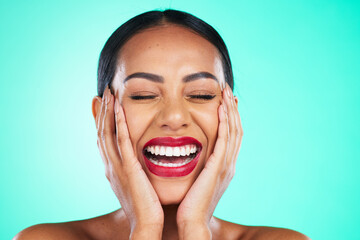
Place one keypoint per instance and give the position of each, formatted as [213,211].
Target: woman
[169,134]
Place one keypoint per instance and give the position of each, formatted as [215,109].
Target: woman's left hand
[196,209]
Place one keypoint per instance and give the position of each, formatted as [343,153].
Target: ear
[236,101]
[96,107]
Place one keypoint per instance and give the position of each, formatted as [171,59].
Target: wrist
[146,232]
[194,231]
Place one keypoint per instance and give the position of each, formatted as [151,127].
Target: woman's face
[170,66]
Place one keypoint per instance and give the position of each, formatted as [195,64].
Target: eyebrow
[148,76]
[198,75]
[160,79]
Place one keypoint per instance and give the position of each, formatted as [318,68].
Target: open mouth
[172,157]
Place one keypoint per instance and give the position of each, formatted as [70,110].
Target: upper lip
[173,142]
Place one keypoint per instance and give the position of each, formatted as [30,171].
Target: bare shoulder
[228,230]
[51,231]
[101,227]
[269,233]
[225,230]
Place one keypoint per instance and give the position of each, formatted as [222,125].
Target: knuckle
[99,134]
[105,133]
[229,175]
[119,139]
[118,120]
[237,132]
[224,175]
[102,135]
[120,135]
[108,132]
[132,167]
[124,143]
[233,128]
[110,172]
[223,137]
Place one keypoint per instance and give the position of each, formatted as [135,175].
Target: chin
[172,191]
[171,200]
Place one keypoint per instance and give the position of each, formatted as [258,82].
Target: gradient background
[296,67]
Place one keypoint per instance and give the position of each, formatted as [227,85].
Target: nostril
[173,117]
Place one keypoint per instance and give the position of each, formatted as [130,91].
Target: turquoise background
[296,65]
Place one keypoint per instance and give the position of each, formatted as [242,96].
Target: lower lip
[180,171]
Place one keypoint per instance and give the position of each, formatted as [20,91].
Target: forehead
[169,49]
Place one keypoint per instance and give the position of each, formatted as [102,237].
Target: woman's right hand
[125,174]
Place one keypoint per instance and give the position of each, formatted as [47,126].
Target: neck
[170,230]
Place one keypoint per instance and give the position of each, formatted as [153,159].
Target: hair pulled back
[109,53]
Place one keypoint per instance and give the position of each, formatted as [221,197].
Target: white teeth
[176,151]
[169,151]
[187,149]
[162,151]
[172,151]
[170,164]
[157,150]
[152,149]
[182,151]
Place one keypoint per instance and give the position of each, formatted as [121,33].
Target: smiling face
[168,82]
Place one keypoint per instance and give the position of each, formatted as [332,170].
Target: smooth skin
[155,207]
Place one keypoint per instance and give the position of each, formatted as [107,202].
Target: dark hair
[108,56]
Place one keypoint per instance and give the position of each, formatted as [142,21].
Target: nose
[173,116]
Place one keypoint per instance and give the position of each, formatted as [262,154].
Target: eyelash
[135,97]
[204,97]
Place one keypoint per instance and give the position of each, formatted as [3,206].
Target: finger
[237,116]
[102,153]
[122,136]
[217,158]
[108,128]
[232,125]
[239,132]
[100,132]
[98,116]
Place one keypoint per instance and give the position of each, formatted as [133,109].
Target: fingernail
[117,107]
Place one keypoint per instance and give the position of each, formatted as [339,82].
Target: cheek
[208,120]
[138,120]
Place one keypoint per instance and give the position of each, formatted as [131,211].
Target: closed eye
[136,97]
[205,97]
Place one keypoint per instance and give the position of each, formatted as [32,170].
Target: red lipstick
[172,163]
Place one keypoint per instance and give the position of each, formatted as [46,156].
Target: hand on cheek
[125,174]
[195,211]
